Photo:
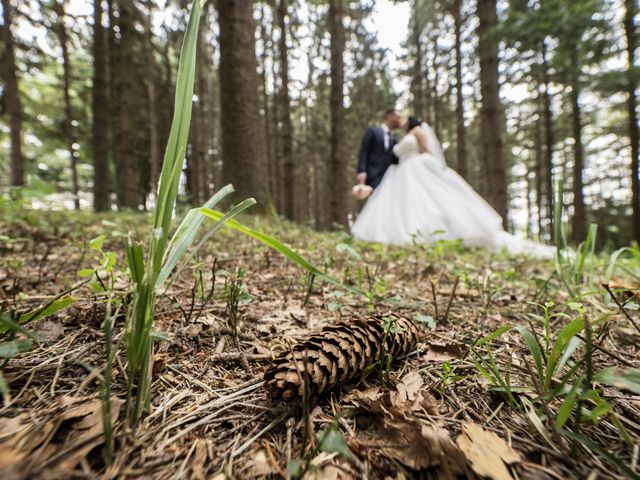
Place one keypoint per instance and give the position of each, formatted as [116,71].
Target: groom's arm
[363,156]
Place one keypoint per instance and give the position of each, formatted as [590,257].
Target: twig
[435,299]
[600,348]
[622,309]
[453,293]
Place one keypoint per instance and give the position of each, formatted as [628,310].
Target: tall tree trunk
[12,96]
[69,131]
[630,31]
[538,165]
[461,129]
[100,107]
[579,221]
[243,140]
[436,79]
[548,141]
[155,155]
[268,120]
[201,117]
[284,123]
[338,183]
[491,121]
[127,160]
[417,82]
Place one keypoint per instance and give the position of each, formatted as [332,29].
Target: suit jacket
[373,158]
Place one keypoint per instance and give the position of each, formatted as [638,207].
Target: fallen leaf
[419,446]
[49,331]
[487,453]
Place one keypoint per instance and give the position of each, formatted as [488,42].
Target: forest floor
[459,406]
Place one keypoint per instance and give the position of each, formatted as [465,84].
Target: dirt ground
[435,416]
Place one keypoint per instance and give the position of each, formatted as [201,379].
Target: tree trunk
[538,165]
[579,222]
[630,31]
[436,79]
[338,181]
[548,141]
[284,123]
[155,154]
[100,107]
[461,130]
[127,160]
[202,119]
[267,116]
[491,122]
[68,129]
[243,141]
[12,97]
[417,82]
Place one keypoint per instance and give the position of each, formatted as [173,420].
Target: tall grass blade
[140,316]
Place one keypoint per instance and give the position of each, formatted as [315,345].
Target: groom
[376,150]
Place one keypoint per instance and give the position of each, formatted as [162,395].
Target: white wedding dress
[422,200]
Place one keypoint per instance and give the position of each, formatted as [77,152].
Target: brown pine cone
[337,354]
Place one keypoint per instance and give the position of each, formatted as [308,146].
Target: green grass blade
[569,403]
[534,348]
[186,234]
[15,347]
[624,379]
[53,307]
[135,260]
[560,348]
[278,246]
[493,335]
[241,207]
[178,137]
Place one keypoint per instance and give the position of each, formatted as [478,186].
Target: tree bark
[12,97]
[417,82]
[548,141]
[491,121]
[538,152]
[100,107]
[630,31]
[243,140]
[155,154]
[579,222]
[68,129]
[284,124]
[127,159]
[338,181]
[461,137]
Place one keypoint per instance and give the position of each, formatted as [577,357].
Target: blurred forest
[522,93]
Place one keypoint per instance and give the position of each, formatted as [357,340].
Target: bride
[422,200]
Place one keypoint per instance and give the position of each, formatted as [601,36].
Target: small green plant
[330,440]
[235,295]
[572,267]
[383,366]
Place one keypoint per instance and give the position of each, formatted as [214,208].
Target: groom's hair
[389,111]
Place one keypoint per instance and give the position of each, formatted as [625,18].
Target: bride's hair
[413,122]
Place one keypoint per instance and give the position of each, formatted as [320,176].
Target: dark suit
[373,158]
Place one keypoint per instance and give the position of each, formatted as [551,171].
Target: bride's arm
[422,139]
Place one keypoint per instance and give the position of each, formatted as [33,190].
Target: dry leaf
[49,331]
[419,446]
[86,434]
[487,453]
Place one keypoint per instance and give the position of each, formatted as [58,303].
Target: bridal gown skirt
[422,201]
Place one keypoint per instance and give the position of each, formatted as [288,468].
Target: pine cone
[337,354]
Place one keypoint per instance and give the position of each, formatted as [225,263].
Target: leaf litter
[211,417]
